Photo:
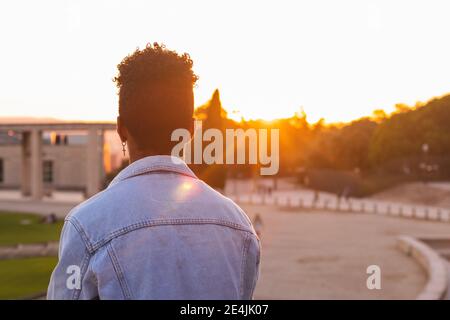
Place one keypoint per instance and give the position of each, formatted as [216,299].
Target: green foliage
[386,149]
[404,133]
[213,115]
[23,278]
[343,148]
[381,144]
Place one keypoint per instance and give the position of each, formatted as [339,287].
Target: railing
[410,211]
[31,250]
[433,264]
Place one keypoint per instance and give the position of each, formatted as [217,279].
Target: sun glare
[339,64]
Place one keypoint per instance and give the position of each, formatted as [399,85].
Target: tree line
[410,142]
[367,154]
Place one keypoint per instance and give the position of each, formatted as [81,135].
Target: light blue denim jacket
[156,232]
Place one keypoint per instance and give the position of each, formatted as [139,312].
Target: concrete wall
[69,166]
[11,155]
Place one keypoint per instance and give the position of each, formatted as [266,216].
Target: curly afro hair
[155,95]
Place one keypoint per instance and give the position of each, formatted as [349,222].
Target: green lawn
[23,278]
[26,228]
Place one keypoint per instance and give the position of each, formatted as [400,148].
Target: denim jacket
[156,232]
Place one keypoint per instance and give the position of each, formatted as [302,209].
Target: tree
[403,134]
[213,115]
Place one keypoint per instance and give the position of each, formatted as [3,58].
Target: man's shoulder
[88,207]
[129,204]
[220,206]
[93,216]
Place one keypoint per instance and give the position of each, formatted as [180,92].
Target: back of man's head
[155,96]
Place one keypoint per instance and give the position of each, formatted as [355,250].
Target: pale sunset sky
[336,59]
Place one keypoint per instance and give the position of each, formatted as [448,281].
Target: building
[38,158]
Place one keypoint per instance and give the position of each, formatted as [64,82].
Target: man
[157,231]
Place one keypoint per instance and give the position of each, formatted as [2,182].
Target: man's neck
[136,155]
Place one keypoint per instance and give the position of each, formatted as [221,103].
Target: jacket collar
[153,163]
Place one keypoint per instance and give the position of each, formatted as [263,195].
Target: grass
[26,228]
[23,278]
[336,181]
[376,183]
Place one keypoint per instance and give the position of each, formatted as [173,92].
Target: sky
[335,59]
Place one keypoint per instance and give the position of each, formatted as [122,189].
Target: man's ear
[121,130]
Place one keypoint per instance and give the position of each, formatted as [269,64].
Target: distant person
[316,196]
[49,219]
[157,231]
[345,194]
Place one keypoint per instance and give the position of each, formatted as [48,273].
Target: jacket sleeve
[72,277]
[252,265]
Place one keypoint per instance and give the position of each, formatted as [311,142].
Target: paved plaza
[324,255]
[310,253]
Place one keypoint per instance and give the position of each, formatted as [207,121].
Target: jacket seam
[155,168]
[119,272]
[162,167]
[166,222]
[82,233]
[258,262]
[76,293]
[244,263]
